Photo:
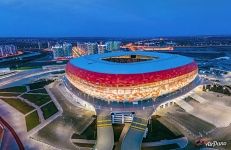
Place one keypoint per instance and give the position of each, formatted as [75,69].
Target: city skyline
[101,18]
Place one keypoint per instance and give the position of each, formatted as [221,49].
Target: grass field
[43,90]
[89,134]
[18,104]
[27,68]
[9,94]
[49,110]
[157,131]
[19,89]
[32,120]
[37,99]
[39,84]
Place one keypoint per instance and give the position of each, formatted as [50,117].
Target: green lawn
[39,84]
[89,134]
[32,120]
[43,90]
[157,131]
[9,94]
[37,99]
[18,104]
[27,68]
[49,110]
[19,89]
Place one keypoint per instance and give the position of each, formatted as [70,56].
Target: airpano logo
[215,143]
[206,142]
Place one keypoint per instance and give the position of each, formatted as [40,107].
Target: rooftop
[147,62]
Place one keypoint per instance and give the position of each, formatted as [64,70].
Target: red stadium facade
[131,86]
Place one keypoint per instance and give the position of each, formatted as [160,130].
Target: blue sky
[114,18]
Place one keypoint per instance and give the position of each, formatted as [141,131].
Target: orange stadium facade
[130,76]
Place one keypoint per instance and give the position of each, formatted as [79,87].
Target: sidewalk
[181,142]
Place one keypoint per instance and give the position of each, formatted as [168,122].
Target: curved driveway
[20,145]
[105,134]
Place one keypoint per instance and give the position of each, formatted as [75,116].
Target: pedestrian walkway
[104,121]
[186,106]
[105,134]
[122,135]
[181,142]
[134,136]
[199,98]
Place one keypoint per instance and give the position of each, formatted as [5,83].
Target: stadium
[130,76]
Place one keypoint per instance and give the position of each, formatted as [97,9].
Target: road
[122,135]
[27,74]
[17,139]
[105,134]
[134,137]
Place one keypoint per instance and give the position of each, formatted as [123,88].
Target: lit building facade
[62,51]
[92,48]
[78,52]
[67,49]
[8,50]
[112,45]
[130,76]
[101,48]
[85,49]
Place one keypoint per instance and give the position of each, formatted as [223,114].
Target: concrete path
[105,134]
[199,98]
[134,136]
[187,107]
[122,135]
[181,142]
[83,141]
[213,111]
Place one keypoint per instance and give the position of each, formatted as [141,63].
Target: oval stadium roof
[159,62]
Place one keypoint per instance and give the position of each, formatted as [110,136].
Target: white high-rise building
[101,48]
[8,50]
[92,48]
[113,45]
[62,51]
